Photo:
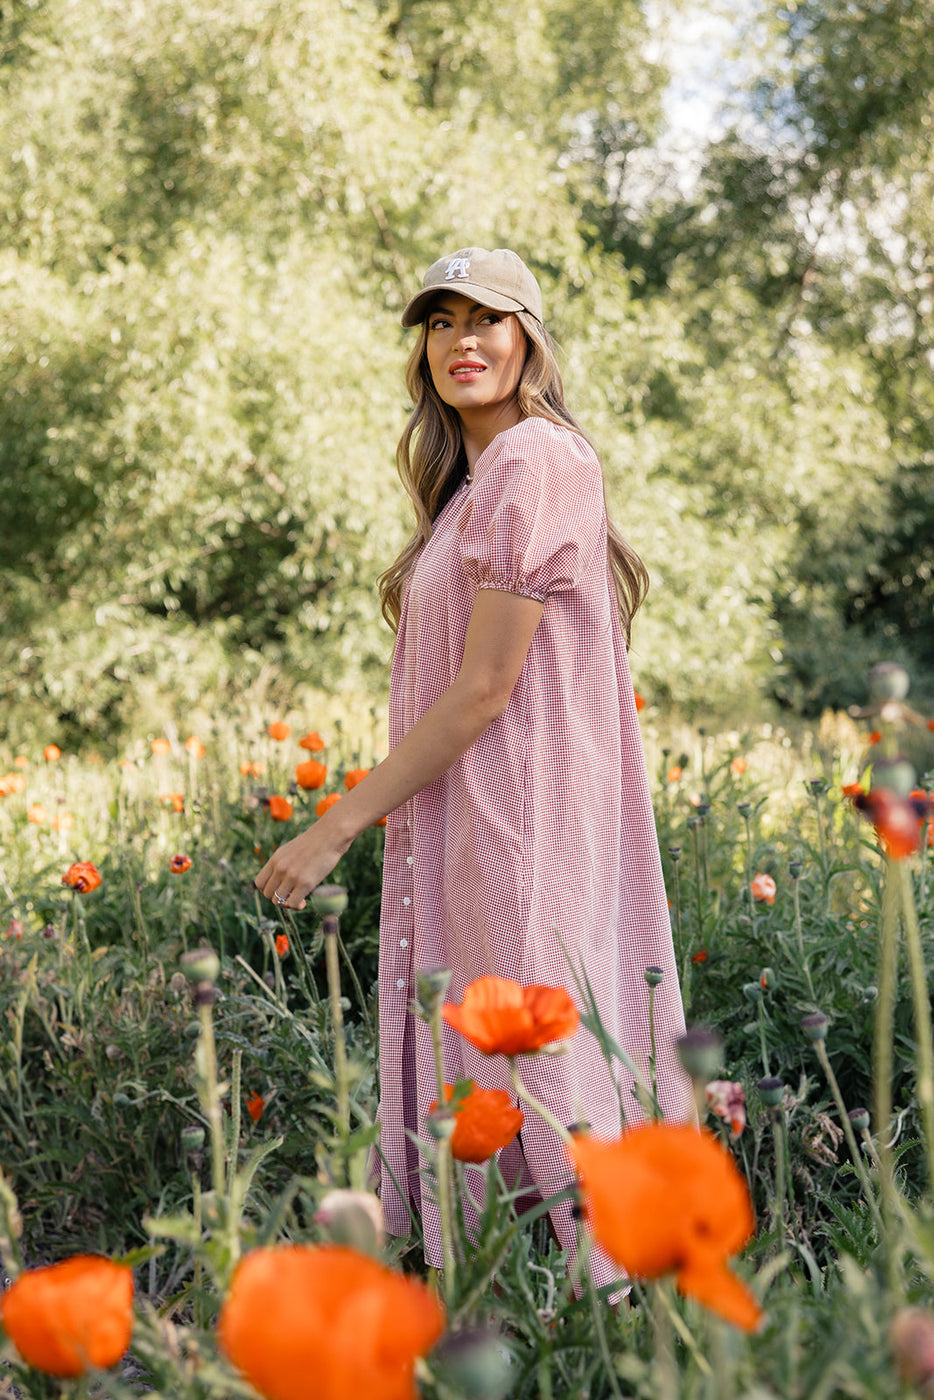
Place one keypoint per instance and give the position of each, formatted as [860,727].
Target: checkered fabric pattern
[544,824]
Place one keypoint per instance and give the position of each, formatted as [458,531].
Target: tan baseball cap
[499,279]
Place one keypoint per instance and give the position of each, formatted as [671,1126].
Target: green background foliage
[212,216]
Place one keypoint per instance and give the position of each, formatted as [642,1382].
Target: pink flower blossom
[728,1101]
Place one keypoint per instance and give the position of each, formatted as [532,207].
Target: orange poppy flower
[67,1317]
[381,822]
[876,736]
[252,770]
[485,1121]
[13,782]
[194,746]
[501,1017]
[311,775]
[282,944]
[343,1327]
[279,730]
[36,813]
[21,761]
[668,1198]
[313,742]
[763,889]
[674,774]
[700,956]
[161,746]
[255,1105]
[897,820]
[83,877]
[280,809]
[175,801]
[179,864]
[62,821]
[640,703]
[327,803]
[355,776]
[852,789]
[738,766]
[51,753]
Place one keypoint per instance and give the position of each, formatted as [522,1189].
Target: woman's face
[475,354]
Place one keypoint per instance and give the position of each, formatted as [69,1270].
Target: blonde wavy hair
[432,464]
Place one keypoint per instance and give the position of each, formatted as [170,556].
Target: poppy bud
[675,853]
[859,1117]
[201,965]
[888,681]
[795,868]
[771,1091]
[354,1218]
[328,899]
[653,976]
[744,808]
[431,985]
[192,1136]
[817,787]
[473,1364]
[911,1336]
[815,1025]
[699,1051]
[752,991]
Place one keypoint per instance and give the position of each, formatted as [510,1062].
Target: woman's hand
[293,870]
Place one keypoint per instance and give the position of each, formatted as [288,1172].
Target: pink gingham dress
[544,824]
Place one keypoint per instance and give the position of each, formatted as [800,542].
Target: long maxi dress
[544,827]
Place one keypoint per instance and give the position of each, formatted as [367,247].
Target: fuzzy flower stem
[698,893]
[543,1112]
[652,1039]
[443,1162]
[234,1161]
[210,1098]
[329,928]
[200,1318]
[778,1137]
[679,939]
[666,1369]
[760,1019]
[922,1008]
[799,933]
[882,1051]
[845,1123]
[11,1227]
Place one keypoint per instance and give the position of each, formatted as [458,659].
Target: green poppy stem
[922,1010]
[858,1164]
[882,1057]
[543,1112]
[443,1160]
[329,927]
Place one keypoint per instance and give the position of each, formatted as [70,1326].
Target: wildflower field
[188,1091]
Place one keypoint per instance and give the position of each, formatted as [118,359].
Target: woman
[519,814]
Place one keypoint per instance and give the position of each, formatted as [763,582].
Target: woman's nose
[466,338]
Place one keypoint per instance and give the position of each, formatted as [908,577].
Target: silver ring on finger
[277,898]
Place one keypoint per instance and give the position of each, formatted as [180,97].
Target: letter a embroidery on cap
[457,267]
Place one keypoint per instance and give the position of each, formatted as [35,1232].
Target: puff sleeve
[536,517]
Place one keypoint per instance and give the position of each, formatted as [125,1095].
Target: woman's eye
[437,324]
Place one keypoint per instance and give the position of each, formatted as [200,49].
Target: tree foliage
[213,215]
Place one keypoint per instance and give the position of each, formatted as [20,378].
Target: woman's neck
[480,427]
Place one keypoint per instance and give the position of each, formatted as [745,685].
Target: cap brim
[417,308]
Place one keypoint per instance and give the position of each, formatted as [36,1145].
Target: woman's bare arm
[499,635]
